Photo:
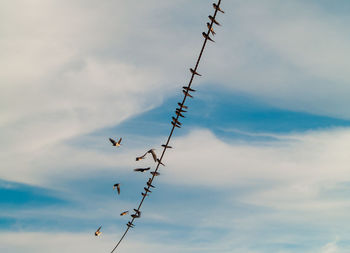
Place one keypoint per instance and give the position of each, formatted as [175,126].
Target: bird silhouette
[175,125]
[186,93]
[166,146]
[151,151]
[130,225]
[150,185]
[160,162]
[98,232]
[118,188]
[124,213]
[147,190]
[114,143]
[142,169]
[155,173]
[135,216]
[207,36]
[182,106]
[138,212]
[213,20]
[177,112]
[195,72]
[211,29]
[144,194]
[176,121]
[188,88]
[216,7]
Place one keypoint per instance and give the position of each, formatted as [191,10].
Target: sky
[261,163]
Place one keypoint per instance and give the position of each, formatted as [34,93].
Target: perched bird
[182,106]
[213,20]
[188,88]
[142,169]
[166,146]
[144,194]
[116,144]
[180,110]
[186,93]
[211,29]
[138,212]
[176,121]
[179,114]
[124,213]
[154,173]
[130,225]
[149,185]
[146,190]
[160,162]
[207,36]
[195,72]
[118,188]
[135,216]
[98,232]
[175,125]
[216,7]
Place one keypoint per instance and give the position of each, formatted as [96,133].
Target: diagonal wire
[174,125]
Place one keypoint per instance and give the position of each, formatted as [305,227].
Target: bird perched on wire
[177,112]
[160,162]
[182,106]
[149,185]
[144,194]
[207,37]
[213,20]
[154,173]
[114,143]
[130,225]
[98,232]
[186,93]
[211,29]
[124,213]
[151,151]
[146,190]
[166,146]
[216,7]
[195,72]
[118,187]
[142,169]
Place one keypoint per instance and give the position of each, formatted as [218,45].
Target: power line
[174,122]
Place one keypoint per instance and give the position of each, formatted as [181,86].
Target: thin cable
[174,125]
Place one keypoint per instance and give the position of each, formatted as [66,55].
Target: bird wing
[113,141]
[153,155]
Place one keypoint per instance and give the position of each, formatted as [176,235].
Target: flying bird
[182,106]
[207,36]
[118,188]
[216,7]
[154,173]
[195,72]
[124,213]
[213,20]
[211,29]
[166,146]
[160,162]
[98,232]
[142,169]
[114,143]
[151,151]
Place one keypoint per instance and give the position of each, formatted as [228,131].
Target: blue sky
[260,164]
